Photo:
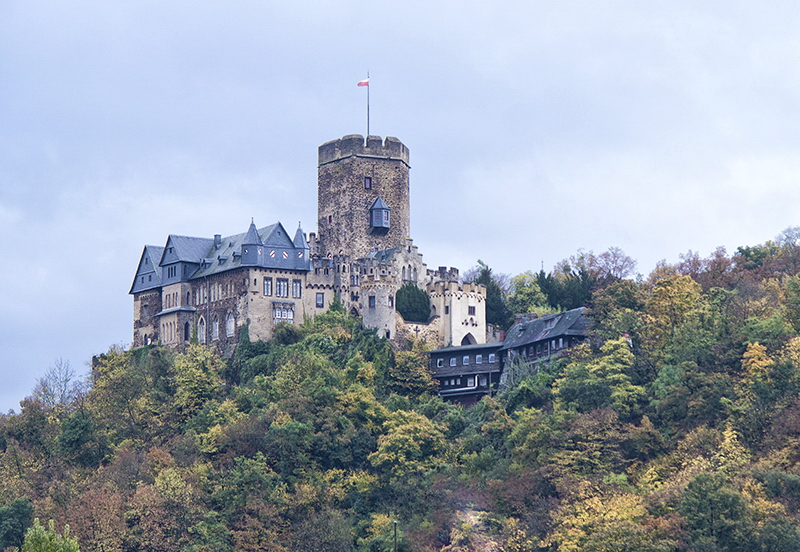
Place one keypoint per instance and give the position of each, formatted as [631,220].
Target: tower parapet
[354,145]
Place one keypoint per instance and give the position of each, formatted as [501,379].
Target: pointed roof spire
[300,238]
[252,237]
[379,204]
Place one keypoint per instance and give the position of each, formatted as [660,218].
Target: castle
[208,288]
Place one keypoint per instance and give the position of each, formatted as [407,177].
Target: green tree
[497,312]
[14,520]
[410,374]
[592,382]
[413,303]
[527,296]
[40,539]
[715,513]
[197,378]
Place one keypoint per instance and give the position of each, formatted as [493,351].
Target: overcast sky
[535,129]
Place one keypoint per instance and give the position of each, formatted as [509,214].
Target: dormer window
[379,215]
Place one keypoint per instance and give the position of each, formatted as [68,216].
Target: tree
[496,309]
[596,382]
[527,296]
[59,389]
[197,378]
[14,519]
[39,539]
[715,513]
[410,374]
[413,303]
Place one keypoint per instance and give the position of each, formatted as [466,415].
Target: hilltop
[674,427]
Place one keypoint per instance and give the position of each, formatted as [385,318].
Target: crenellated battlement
[355,145]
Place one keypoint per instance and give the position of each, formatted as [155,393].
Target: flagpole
[366,83]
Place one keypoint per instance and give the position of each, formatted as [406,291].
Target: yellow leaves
[577,520]
[756,361]
[380,525]
[731,456]
[411,443]
[197,376]
[171,486]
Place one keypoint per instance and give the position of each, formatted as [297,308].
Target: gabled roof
[571,322]
[276,251]
[184,249]
[275,236]
[148,274]
[274,246]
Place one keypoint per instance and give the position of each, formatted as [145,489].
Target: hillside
[674,428]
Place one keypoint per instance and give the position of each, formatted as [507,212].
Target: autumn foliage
[674,427]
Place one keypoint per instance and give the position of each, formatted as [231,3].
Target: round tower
[363,195]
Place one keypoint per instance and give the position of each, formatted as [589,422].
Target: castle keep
[362,253]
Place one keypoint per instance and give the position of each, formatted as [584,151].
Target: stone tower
[363,195]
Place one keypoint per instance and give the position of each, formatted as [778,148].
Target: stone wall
[343,202]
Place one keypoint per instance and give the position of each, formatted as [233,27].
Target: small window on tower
[367,182]
[330,219]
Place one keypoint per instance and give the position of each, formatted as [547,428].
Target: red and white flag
[365,82]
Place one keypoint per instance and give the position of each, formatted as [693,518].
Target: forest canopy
[674,427]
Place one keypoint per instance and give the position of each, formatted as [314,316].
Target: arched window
[230,325]
[187,332]
[201,330]
[215,328]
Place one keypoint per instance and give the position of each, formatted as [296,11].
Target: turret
[251,246]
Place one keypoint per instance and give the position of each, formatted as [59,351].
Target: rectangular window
[465,360]
[268,286]
[453,361]
[447,309]
[372,301]
[391,301]
[320,300]
[297,289]
[483,381]
[367,182]
[471,311]
[439,362]
[471,381]
[281,287]
[491,358]
[478,359]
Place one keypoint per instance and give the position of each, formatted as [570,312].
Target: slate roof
[275,249]
[383,256]
[185,249]
[148,269]
[571,322]
[379,204]
[458,349]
